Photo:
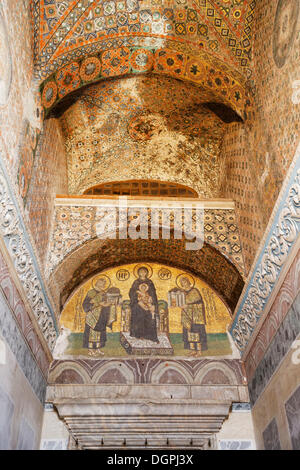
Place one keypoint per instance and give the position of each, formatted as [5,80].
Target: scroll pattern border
[14,234]
[280,240]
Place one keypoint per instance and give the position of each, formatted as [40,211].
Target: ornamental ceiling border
[280,238]
[212,76]
[13,231]
[206,24]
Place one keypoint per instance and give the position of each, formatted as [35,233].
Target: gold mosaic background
[217,314]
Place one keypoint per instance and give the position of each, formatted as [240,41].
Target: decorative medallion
[90,69]
[123,275]
[169,62]
[115,62]
[49,94]
[68,79]
[144,126]
[142,60]
[284,30]
[164,274]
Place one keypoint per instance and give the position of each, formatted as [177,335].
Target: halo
[144,265]
[188,276]
[103,276]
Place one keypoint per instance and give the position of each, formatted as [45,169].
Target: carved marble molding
[155,371]
[22,318]
[280,238]
[114,416]
[275,319]
[14,234]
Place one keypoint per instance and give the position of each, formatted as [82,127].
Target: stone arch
[96,255]
[62,369]
[112,367]
[177,370]
[221,371]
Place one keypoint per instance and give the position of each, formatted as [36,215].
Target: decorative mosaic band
[220,229]
[66,30]
[18,309]
[148,371]
[279,242]
[126,60]
[16,240]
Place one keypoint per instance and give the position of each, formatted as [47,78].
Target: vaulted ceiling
[207,42]
[151,127]
[140,87]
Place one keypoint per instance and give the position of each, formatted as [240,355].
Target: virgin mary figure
[144,307]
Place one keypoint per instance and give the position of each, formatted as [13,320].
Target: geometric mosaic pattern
[69,28]
[74,36]
[75,225]
[215,79]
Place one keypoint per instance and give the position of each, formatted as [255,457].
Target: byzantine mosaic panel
[68,30]
[92,257]
[144,309]
[76,225]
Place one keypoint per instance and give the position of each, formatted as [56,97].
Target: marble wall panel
[271,436]
[9,330]
[292,409]
[279,401]
[21,414]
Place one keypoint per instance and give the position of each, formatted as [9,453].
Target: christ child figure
[144,299]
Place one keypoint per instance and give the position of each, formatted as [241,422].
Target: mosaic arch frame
[63,31]
[217,82]
[96,255]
